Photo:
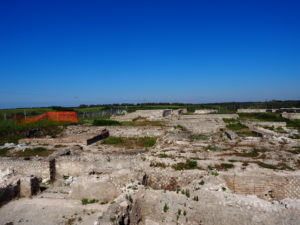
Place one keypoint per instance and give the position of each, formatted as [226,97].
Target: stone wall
[265,186]
[252,110]
[77,166]
[291,116]
[205,111]
[9,191]
[41,168]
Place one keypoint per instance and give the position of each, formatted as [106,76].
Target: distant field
[88,109]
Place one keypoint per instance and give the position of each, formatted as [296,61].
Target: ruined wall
[40,168]
[9,191]
[252,110]
[205,111]
[77,166]
[265,186]
[291,116]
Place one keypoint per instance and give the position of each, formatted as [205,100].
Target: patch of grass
[163,155]
[4,152]
[11,131]
[215,173]
[188,165]
[251,154]
[131,143]
[224,166]
[103,122]
[29,152]
[226,120]
[166,207]
[148,141]
[235,126]
[268,117]
[199,137]
[158,164]
[142,123]
[180,127]
[186,192]
[86,201]
[112,141]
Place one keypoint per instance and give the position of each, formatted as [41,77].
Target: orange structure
[54,116]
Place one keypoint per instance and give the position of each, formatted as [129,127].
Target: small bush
[188,165]
[196,198]
[88,201]
[166,207]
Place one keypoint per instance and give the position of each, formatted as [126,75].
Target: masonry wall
[76,166]
[9,191]
[39,168]
[265,187]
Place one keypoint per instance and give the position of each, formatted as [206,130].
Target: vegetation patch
[279,166]
[12,131]
[131,143]
[227,120]
[29,152]
[86,201]
[224,166]
[253,153]
[104,122]
[4,152]
[188,165]
[199,137]
[268,117]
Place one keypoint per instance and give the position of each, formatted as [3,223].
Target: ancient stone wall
[9,191]
[265,186]
[38,167]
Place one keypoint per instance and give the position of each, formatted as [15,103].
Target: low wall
[291,116]
[252,110]
[77,166]
[265,187]
[41,168]
[9,191]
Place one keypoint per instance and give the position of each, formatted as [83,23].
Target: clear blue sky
[114,51]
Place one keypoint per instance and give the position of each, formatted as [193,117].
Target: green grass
[4,152]
[236,126]
[145,142]
[268,117]
[104,122]
[188,165]
[253,153]
[113,141]
[29,152]
[107,122]
[224,166]
[199,137]
[226,120]
[12,131]
[279,166]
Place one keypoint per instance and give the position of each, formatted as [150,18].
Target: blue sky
[115,51]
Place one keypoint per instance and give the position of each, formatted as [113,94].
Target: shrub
[188,165]
[166,207]
[88,201]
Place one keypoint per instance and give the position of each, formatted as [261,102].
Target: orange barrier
[54,116]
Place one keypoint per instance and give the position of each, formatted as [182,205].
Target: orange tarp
[54,116]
